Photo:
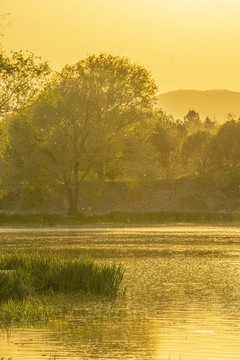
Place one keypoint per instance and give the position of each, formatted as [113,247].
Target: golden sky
[186,44]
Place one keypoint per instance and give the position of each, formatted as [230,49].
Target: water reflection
[183,295]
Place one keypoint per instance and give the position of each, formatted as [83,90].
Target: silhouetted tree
[209,124]
[192,121]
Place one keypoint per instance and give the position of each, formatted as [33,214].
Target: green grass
[41,287]
[43,310]
[119,217]
[25,312]
[36,273]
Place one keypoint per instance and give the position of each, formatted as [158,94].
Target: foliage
[161,137]
[195,150]
[226,145]
[22,77]
[209,124]
[103,107]
[192,121]
[95,122]
[23,178]
[167,138]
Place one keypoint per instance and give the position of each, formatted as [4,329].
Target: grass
[25,312]
[47,274]
[119,217]
[40,287]
[43,310]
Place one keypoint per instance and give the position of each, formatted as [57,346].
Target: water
[182,299]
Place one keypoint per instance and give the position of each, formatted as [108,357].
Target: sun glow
[186,44]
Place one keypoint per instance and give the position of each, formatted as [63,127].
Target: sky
[185,44]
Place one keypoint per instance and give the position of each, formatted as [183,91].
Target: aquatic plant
[24,312]
[38,273]
[14,285]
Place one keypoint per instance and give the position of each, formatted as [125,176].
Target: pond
[182,295]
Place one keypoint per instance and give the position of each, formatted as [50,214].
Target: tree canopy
[93,123]
[104,102]
[22,77]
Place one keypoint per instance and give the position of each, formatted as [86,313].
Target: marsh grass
[27,312]
[43,310]
[36,273]
[40,288]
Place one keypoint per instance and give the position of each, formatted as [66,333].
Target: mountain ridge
[216,104]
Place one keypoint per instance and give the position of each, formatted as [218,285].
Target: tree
[104,103]
[22,77]
[24,180]
[195,150]
[167,138]
[192,121]
[209,124]
[226,145]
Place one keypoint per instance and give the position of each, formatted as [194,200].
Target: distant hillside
[213,103]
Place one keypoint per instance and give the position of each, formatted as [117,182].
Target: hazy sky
[186,44]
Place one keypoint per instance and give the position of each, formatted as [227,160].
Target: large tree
[103,106]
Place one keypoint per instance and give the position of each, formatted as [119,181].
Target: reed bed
[35,273]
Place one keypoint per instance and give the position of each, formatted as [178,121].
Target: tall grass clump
[14,285]
[37,273]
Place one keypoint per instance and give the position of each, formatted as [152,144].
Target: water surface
[182,299]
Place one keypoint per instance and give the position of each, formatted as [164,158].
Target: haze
[186,44]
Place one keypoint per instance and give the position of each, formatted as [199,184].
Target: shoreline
[122,218]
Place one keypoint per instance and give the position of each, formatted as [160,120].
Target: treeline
[93,122]
[191,145]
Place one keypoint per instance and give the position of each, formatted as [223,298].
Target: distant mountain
[213,103]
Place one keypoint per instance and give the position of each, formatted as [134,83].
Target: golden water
[182,299]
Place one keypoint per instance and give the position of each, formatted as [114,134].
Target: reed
[27,312]
[37,273]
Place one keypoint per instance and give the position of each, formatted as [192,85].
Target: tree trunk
[72,193]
